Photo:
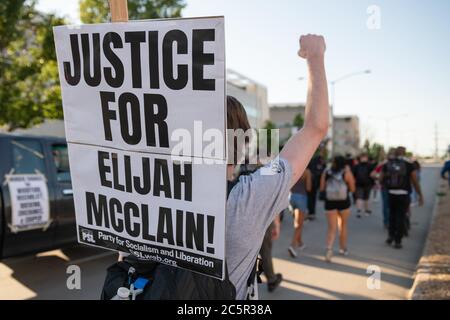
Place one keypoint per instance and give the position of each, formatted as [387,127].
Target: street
[310,277]
[43,276]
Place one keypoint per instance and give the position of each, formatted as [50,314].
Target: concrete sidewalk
[310,277]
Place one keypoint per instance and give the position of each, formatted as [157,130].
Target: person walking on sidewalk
[399,177]
[336,183]
[299,202]
[376,174]
[364,184]
[316,167]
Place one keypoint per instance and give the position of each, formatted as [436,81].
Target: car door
[64,205]
[26,156]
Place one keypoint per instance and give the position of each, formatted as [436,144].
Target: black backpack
[162,282]
[396,174]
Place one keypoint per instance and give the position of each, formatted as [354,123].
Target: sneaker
[311,217]
[301,247]
[271,286]
[389,241]
[328,255]
[343,252]
[368,213]
[292,252]
[358,214]
[398,245]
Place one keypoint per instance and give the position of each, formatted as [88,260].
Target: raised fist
[311,46]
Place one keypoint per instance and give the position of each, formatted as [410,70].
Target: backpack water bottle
[123,293]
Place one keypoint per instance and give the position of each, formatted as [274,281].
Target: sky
[405,44]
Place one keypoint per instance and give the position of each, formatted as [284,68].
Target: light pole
[333,90]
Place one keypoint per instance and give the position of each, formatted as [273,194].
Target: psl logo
[374,20]
[374,280]
[87,235]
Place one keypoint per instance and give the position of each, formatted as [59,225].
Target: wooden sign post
[119,10]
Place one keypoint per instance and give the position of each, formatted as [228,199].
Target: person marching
[336,183]
[299,202]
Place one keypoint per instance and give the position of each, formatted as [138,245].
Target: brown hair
[236,115]
[236,119]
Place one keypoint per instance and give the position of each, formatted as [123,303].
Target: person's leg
[343,218]
[402,209]
[266,255]
[331,235]
[367,191]
[359,201]
[392,217]
[298,227]
[385,202]
[332,227]
[312,198]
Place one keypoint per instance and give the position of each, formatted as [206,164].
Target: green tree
[29,86]
[29,82]
[374,150]
[97,11]
[298,121]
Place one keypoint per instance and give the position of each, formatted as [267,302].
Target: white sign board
[29,200]
[128,89]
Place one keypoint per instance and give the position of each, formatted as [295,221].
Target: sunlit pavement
[308,277]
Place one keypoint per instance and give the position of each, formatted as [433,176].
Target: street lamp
[333,89]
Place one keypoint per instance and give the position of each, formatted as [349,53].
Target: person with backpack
[252,204]
[336,184]
[364,184]
[299,203]
[399,177]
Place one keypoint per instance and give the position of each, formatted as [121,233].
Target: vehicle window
[61,160]
[27,157]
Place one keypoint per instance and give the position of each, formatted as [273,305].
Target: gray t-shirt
[252,205]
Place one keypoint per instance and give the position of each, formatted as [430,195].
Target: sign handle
[119,10]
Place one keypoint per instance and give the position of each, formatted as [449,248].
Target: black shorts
[363,193]
[337,204]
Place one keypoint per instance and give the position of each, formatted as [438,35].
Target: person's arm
[322,182]
[276,227]
[416,186]
[300,148]
[350,179]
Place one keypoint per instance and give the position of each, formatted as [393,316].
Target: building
[252,95]
[346,135]
[283,115]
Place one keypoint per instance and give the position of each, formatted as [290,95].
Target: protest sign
[29,201]
[127,89]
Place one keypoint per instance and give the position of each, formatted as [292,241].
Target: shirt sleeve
[257,198]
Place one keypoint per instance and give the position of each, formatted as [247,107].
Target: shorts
[337,204]
[363,193]
[299,201]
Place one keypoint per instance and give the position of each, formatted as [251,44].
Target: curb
[422,273]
